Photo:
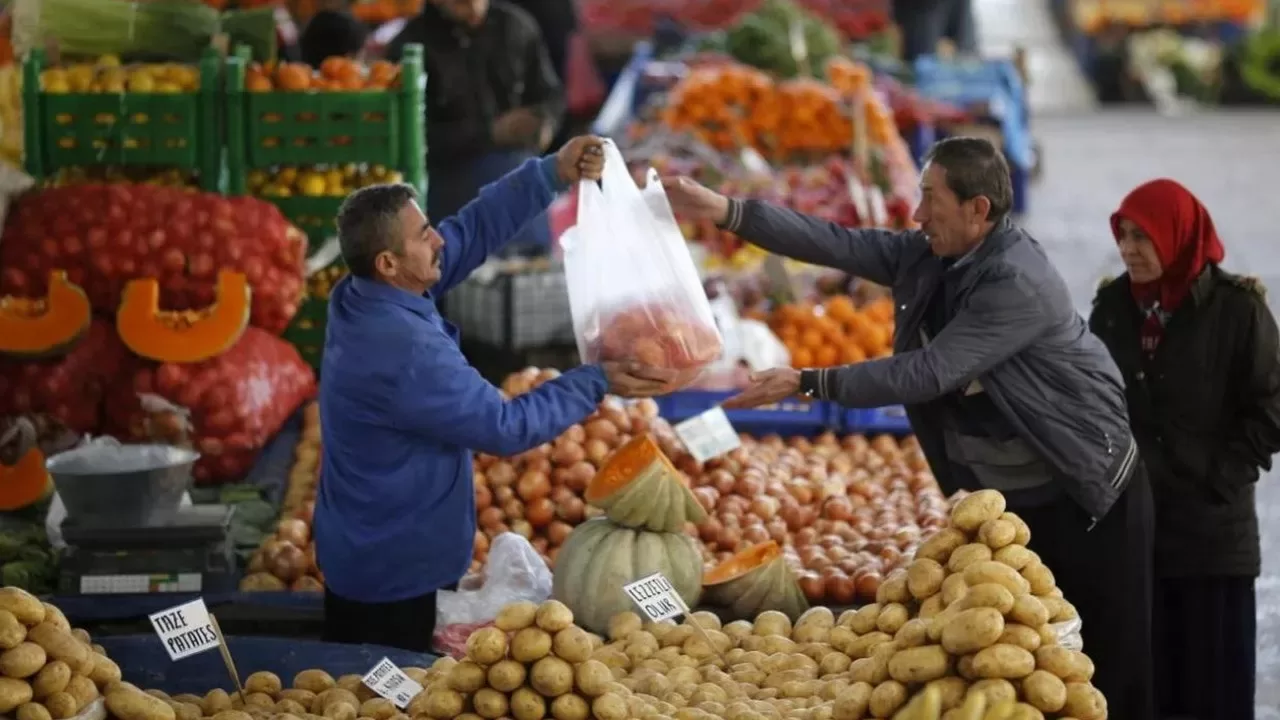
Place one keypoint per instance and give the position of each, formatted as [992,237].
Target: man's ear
[385,263]
[982,207]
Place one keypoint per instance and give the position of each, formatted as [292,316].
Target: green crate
[155,129]
[314,215]
[323,127]
[306,332]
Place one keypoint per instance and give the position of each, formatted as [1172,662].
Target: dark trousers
[1107,574]
[924,22]
[1205,634]
[405,624]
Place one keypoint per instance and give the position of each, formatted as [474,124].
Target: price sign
[186,630]
[389,681]
[655,597]
[708,435]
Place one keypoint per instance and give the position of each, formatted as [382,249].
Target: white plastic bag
[514,572]
[634,292]
[1069,634]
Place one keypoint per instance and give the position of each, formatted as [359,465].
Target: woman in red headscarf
[1200,354]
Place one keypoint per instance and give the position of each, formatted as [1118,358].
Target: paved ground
[1228,160]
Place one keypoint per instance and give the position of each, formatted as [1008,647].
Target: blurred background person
[493,97]
[333,30]
[923,23]
[1200,355]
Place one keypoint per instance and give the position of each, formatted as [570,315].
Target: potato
[378,708]
[1039,578]
[1059,609]
[1015,556]
[939,546]
[443,703]
[315,681]
[334,697]
[1085,702]
[527,645]
[1071,666]
[996,690]
[992,595]
[570,707]
[50,679]
[33,711]
[22,661]
[894,589]
[12,632]
[1020,635]
[1004,661]
[972,630]
[997,533]
[63,705]
[234,715]
[887,698]
[953,588]
[285,706]
[263,682]
[125,703]
[1044,691]
[892,617]
[489,703]
[924,578]
[26,607]
[516,616]
[104,670]
[303,697]
[351,682]
[13,693]
[950,690]
[931,607]
[506,675]
[863,646]
[215,701]
[551,676]
[84,691]
[466,677]
[864,620]
[919,664]
[59,644]
[913,633]
[977,508]
[990,571]
[609,706]
[1029,610]
[966,555]
[1023,536]
[553,616]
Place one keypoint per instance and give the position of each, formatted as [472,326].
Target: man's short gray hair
[974,168]
[367,224]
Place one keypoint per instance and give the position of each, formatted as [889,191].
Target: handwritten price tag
[185,629]
[389,681]
[656,597]
[708,435]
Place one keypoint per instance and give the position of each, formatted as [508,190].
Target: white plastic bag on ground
[514,572]
[634,292]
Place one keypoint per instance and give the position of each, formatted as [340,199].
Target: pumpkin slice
[599,557]
[640,488]
[24,482]
[44,327]
[754,580]
[183,336]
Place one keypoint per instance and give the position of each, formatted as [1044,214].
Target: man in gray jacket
[1004,385]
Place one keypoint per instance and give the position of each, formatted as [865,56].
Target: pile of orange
[836,332]
[336,73]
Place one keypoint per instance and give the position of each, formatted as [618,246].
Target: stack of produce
[48,670]
[10,113]
[641,18]
[287,559]
[836,332]
[855,19]
[763,39]
[228,270]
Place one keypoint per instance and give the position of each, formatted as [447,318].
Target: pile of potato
[48,671]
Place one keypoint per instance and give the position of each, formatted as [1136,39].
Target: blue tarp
[81,609]
[144,662]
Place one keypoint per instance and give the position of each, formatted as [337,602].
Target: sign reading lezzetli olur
[655,597]
[389,681]
[185,629]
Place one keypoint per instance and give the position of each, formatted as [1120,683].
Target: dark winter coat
[1206,412]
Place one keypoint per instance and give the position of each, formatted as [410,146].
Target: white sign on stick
[708,435]
[185,629]
[655,597]
[389,681]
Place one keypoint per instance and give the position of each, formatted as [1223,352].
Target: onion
[294,531]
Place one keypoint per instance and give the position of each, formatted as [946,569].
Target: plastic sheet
[514,572]
[105,455]
[1070,633]
[144,662]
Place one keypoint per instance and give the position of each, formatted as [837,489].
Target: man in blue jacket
[401,409]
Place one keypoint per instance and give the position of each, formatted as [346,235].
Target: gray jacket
[1016,332]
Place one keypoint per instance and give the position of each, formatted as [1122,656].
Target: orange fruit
[293,76]
[812,338]
[851,353]
[801,358]
[825,356]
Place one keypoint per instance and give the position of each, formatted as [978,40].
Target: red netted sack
[237,401]
[69,388]
[105,235]
[656,335]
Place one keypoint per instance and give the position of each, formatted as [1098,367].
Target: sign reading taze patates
[655,597]
[185,630]
[389,681]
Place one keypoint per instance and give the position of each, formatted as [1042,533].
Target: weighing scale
[125,530]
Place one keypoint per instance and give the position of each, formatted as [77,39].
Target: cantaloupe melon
[754,580]
[640,488]
[600,557]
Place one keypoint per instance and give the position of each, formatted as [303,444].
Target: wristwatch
[810,383]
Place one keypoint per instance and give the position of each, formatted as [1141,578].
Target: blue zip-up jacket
[401,411]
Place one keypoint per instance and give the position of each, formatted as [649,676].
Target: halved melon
[187,336]
[599,557]
[24,482]
[640,488]
[754,580]
[44,327]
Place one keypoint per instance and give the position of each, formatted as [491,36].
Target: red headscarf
[1183,235]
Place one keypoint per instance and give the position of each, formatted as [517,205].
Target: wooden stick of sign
[689,618]
[226,656]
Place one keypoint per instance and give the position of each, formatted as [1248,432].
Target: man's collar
[382,292]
